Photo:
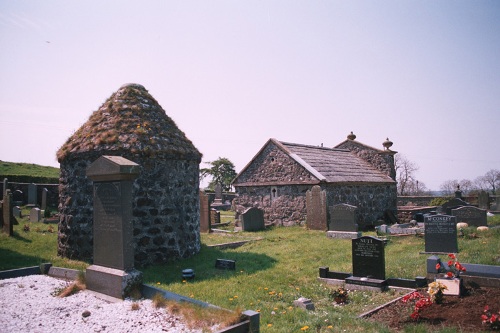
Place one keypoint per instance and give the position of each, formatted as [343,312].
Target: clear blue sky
[232,74]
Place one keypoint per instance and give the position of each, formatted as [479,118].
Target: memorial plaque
[472,215]
[441,234]
[252,219]
[368,258]
[343,217]
[316,209]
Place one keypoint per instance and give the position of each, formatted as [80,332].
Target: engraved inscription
[108,207]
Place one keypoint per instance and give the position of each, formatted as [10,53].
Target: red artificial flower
[438,266]
[486,308]
[452,256]
[450,262]
[484,318]
[415,315]
[449,274]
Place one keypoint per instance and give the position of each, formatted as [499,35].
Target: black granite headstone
[252,219]
[225,264]
[440,234]
[368,258]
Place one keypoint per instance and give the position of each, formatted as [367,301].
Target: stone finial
[387,144]
[351,136]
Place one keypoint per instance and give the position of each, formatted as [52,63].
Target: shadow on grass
[18,237]
[204,266]
[12,260]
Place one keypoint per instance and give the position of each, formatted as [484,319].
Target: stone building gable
[383,160]
[273,165]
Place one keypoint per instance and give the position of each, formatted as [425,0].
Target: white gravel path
[26,305]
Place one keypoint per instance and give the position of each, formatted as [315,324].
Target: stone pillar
[5,186]
[112,272]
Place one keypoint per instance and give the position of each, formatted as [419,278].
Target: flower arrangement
[435,291]
[340,295]
[420,302]
[491,319]
[454,267]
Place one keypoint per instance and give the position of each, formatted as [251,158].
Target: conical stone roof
[132,121]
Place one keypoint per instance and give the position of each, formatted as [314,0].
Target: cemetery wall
[52,194]
[165,209]
[425,200]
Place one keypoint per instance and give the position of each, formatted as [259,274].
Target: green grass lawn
[271,273]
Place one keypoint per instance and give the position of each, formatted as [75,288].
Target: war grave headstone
[252,219]
[441,234]
[204,213]
[6,212]
[44,198]
[32,195]
[368,264]
[316,218]
[18,197]
[473,216]
[343,222]
[35,214]
[112,272]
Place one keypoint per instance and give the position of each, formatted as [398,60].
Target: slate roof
[334,165]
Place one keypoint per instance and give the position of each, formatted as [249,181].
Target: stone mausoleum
[165,199]
[278,177]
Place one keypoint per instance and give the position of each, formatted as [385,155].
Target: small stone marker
[368,257]
[32,195]
[225,264]
[44,198]
[304,303]
[188,274]
[471,215]
[441,234]
[252,219]
[35,214]
[112,272]
[204,213]
[316,209]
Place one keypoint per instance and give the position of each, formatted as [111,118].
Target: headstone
[16,212]
[471,215]
[35,214]
[316,209]
[304,303]
[18,197]
[44,198]
[368,258]
[32,195]
[452,204]
[225,264]
[483,199]
[252,219]
[214,216]
[6,212]
[441,234]
[204,213]
[112,272]
[343,217]
[188,274]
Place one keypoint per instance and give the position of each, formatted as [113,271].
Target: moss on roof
[130,120]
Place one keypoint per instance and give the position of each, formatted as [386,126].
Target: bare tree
[449,187]
[492,180]
[405,170]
